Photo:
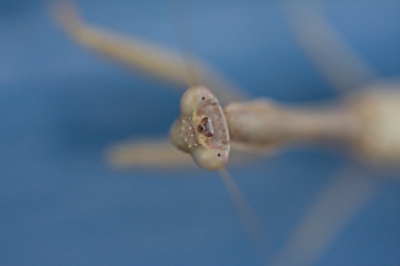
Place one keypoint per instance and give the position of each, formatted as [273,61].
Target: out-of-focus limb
[375,135]
[159,154]
[148,154]
[148,58]
[332,210]
[341,65]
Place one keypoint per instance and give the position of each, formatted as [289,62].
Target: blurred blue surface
[60,106]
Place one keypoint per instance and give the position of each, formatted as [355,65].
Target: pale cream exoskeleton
[365,123]
[201,129]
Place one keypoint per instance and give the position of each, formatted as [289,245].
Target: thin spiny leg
[148,58]
[332,210]
[147,154]
[158,154]
[341,65]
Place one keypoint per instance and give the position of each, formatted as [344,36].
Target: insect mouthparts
[206,127]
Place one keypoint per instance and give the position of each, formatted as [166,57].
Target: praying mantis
[367,122]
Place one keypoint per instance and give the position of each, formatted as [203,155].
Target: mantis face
[201,129]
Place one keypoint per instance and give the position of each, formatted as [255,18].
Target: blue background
[61,106]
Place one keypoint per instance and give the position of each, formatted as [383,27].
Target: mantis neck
[261,123]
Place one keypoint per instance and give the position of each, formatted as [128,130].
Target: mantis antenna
[247,216]
[180,11]
[202,131]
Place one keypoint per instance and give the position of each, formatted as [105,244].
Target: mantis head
[201,129]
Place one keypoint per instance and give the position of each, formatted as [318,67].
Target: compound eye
[193,97]
[210,159]
[200,128]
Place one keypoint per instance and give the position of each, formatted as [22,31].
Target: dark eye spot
[203,98]
[200,128]
[219,154]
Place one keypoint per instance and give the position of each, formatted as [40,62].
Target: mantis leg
[146,154]
[332,210]
[341,65]
[142,56]
[159,154]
